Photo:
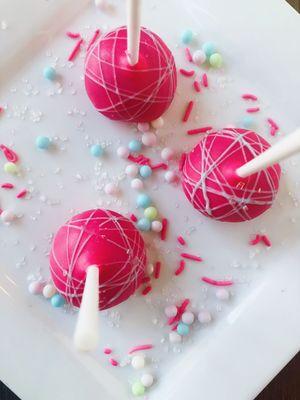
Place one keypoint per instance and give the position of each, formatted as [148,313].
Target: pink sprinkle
[255,241]
[146,279]
[133,218]
[1,109]
[188,111]
[94,38]
[181,267]
[197,86]
[274,128]
[146,290]
[253,109]
[76,50]
[9,154]
[141,347]
[248,96]
[174,327]
[159,166]
[180,240]
[191,257]
[266,240]
[186,73]
[181,309]
[73,35]
[163,232]
[7,185]
[107,350]
[140,159]
[21,194]
[157,269]
[113,362]
[182,161]
[273,131]
[205,80]
[215,282]
[188,54]
[204,129]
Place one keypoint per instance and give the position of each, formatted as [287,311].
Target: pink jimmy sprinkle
[21,194]
[133,218]
[266,240]
[215,282]
[186,73]
[1,109]
[107,350]
[273,131]
[181,309]
[180,240]
[181,267]
[146,279]
[205,80]
[272,123]
[204,129]
[146,290]
[188,111]
[157,268]
[113,362]
[253,109]
[197,86]
[7,185]
[163,232]
[140,159]
[188,54]
[159,166]
[174,327]
[255,240]
[76,50]
[248,96]
[182,161]
[140,348]
[9,154]
[94,38]
[192,257]
[73,35]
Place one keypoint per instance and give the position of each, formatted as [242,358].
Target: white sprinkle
[188,318]
[147,380]
[171,311]
[222,294]
[204,317]
[138,362]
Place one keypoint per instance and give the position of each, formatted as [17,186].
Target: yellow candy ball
[11,168]
[150,213]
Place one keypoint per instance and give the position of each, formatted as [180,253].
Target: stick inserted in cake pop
[283,149]
[86,336]
[133,30]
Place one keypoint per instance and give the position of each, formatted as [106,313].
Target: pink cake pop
[211,183]
[105,239]
[136,93]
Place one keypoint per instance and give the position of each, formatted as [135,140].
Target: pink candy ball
[149,139]
[167,154]
[210,183]
[103,238]
[139,93]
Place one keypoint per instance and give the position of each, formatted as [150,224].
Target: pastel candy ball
[132,170]
[139,93]
[187,36]
[7,216]
[149,139]
[49,291]
[188,318]
[103,238]
[143,200]
[137,184]
[111,189]
[150,213]
[123,152]
[208,48]
[156,226]
[223,195]
[57,300]
[42,142]
[158,123]
[170,176]
[222,294]
[35,287]
[171,311]
[150,269]
[96,150]
[138,362]
[135,145]
[11,168]
[147,380]
[144,224]
[138,389]
[49,73]
[167,154]
[247,121]
[145,171]
[199,57]
[216,60]
[143,126]
[204,317]
[183,329]
[174,337]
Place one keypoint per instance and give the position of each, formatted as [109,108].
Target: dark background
[285,386]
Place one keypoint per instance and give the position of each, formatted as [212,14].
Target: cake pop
[211,179]
[130,73]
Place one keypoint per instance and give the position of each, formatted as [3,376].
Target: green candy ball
[216,60]
[137,389]
[150,213]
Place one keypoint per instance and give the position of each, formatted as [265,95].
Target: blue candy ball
[247,121]
[145,171]
[57,300]
[183,329]
[135,145]
[143,200]
[49,73]
[208,48]
[42,142]
[96,150]
[187,36]
[144,224]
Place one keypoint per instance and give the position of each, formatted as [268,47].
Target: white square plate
[255,334]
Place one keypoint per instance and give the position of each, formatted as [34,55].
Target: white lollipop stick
[285,148]
[133,30]
[86,336]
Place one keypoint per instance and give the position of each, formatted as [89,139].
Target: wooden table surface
[285,386]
